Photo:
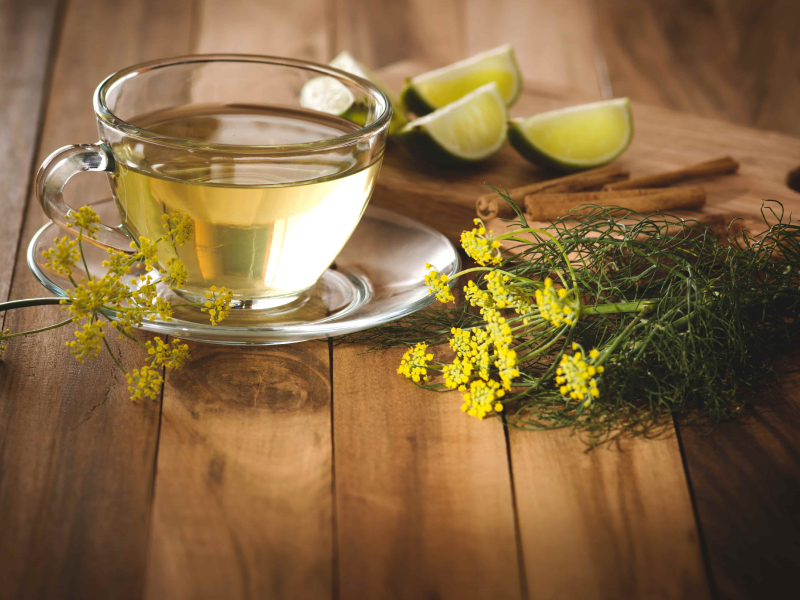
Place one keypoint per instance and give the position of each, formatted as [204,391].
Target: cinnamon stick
[549,207]
[719,166]
[490,206]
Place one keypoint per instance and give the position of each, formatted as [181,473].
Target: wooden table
[313,471]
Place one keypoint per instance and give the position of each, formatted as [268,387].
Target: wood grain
[615,522]
[735,60]
[746,480]
[423,496]
[555,41]
[27,34]
[76,455]
[243,505]
[381,32]
[298,29]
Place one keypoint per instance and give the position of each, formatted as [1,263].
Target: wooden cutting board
[663,140]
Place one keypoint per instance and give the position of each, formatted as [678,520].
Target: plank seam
[706,556]
[194,26]
[335,585]
[55,43]
[523,579]
[599,57]
[332,29]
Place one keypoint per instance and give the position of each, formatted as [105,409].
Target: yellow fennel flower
[118,263]
[479,247]
[457,373]
[437,284]
[498,329]
[506,294]
[144,382]
[176,274]
[63,258]
[218,305]
[557,305]
[147,251]
[506,363]
[481,399]
[576,375]
[179,227]
[87,344]
[478,297]
[414,363]
[172,355]
[85,220]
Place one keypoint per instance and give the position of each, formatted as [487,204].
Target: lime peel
[575,138]
[435,89]
[468,130]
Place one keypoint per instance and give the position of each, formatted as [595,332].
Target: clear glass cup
[273,187]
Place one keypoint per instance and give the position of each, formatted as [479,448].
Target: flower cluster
[171,356]
[94,300]
[414,363]
[576,375]
[218,304]
[479,247]
[85,220]
[87,342]
[481,399]
[144,382]
[437,284]
[63,258]
[556,305]
[507,292]
[179,228]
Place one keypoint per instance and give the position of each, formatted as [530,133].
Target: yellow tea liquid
[261,230]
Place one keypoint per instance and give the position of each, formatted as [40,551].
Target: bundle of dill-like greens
[608,322]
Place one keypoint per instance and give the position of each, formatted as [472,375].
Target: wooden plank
[243,502]
[745,475]
[77,455]
[555,42]
[27,36]
[615,522]
[423,495]
[297,29]
[735,60]
[381,32]
[243,505]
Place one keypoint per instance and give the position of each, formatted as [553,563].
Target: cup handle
[53,176]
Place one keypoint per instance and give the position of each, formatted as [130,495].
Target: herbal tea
[260,230]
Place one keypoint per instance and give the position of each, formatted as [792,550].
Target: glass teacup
[272,187]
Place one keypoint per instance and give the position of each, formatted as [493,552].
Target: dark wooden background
[313,471]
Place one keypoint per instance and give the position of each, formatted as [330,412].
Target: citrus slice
[438,88]
[346,62]
[465,131]
[328,95]
[331,96]
[575,138]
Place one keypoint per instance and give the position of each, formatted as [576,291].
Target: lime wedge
[328,95]
[438,88]
[575,138]
[331,96]
[465,131]
[346,62]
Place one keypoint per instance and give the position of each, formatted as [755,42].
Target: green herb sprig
[608,322]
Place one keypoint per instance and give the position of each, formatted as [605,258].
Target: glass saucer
[377,277]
